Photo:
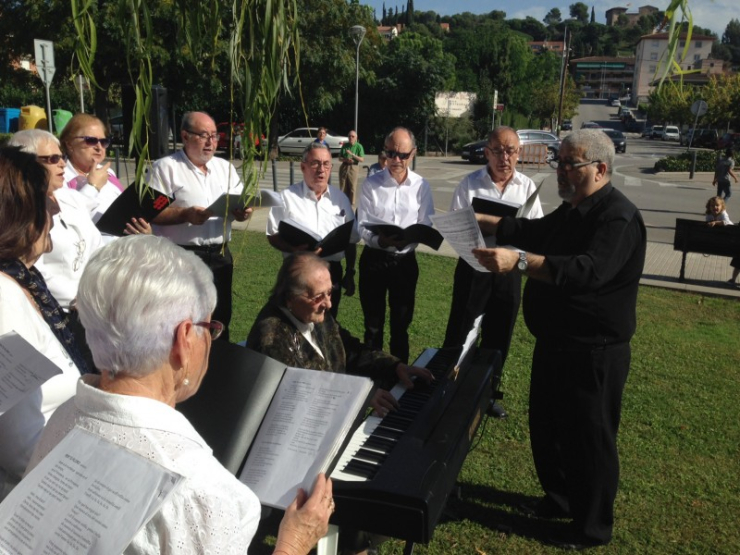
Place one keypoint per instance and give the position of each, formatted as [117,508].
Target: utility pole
[563,74]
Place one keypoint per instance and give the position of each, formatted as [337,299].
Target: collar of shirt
[308,193]
[589,202]
[189,162]
[305,329]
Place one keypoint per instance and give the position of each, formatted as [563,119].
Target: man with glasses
[351,154]
[319,207]
[388,265]
[584,263]
[195,178]
[496,296]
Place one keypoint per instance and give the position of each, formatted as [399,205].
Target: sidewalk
[705,275]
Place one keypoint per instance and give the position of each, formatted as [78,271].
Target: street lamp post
[357,33]
[563,77]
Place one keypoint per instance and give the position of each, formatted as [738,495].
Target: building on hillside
[650,58]
[629,19]
[454,104]
[537,46]
[603,76]
[390,32]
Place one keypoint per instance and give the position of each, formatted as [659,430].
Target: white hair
[31,139]
[594,144]
[133,294]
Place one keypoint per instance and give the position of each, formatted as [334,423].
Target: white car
[616,103]
[671,133]
[297,140]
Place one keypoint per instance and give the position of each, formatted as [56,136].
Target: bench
[697,236]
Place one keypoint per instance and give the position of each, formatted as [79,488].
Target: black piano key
[387,432]
[361,468]
[371,456]
[380,443]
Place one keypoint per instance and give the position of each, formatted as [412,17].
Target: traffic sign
[699,108]
[44,50]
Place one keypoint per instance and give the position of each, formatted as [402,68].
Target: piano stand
[329,544]
[408,548]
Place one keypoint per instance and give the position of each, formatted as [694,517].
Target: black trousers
[222,266]
[575,401]
[336,272]
[384,274]
[496,296]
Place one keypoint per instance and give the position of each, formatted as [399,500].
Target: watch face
[522,265]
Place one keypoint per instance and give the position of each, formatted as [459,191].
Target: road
[661,197]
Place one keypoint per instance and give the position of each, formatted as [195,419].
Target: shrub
[705,162]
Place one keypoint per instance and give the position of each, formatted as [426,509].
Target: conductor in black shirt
[584,262]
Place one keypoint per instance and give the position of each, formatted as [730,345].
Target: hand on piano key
[383,402]
[405,374]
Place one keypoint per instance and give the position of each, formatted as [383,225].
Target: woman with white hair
[151,342]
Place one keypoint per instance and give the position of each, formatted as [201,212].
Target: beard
[566,190]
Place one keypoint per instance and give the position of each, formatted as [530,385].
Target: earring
[186,382]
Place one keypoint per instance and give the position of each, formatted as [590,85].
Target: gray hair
[389,136]
[313,145]
[188,117]
[291,278]
[133,294]
[500,130]
[31,139]
[594,144]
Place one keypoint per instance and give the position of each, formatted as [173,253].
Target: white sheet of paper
[22,369]
[526,208]
[87,496]
[310,414]
[461,231]
[262,199]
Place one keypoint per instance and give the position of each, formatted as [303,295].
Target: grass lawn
[679,439]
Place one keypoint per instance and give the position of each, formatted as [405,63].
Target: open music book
[296,234]
[309,418]
[501,207]
[22,369]
[130,204]
[87,496]
[417,233]
[261,199]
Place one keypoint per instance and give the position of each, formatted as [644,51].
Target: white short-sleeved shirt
[404,204]
[319,215]
[479,184]
[74,239]
[210,512]
[21,426]
[98,201]
[175,175]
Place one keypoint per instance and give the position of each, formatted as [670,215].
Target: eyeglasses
[204,136]
[52,158]
[392,154]
[92,141]
[317,164]
[214,327]
[316,299]
[499,152]
[568,166]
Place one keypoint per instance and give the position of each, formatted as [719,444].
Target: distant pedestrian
[716,215]
[378,166]
[351,154]
[722,173]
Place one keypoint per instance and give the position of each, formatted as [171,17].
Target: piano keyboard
[373,441]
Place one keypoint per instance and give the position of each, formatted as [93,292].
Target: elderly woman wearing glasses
[28,309]
[84,142]
[151,341]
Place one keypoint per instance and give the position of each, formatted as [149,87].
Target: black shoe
[543,508]
[496,410]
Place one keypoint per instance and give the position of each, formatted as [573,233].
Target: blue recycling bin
[9,119]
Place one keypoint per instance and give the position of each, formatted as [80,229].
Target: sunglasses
[214,327]
[92,141]
[391,154]
[52,158]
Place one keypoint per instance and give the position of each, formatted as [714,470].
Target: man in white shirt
[196,179]
[320,207]
[388,265]
[496,296]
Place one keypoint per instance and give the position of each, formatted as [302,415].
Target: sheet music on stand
[470,340]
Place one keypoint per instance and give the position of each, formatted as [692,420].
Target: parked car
[647,132]
[729,140]
[590,125]
[567,125]
[615,102]
[656,132]
[618,138]
[224,133]
[671,133]
[297,140]
[474,152]
[700,138]
[634,126]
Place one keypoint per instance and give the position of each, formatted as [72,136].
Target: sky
[708,14]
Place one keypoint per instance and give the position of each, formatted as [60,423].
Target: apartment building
[603,76]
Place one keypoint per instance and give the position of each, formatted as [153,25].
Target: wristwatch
[522,265]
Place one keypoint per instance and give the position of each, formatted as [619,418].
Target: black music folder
[416,233]
[337,240]
[494,207]
[128,206]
